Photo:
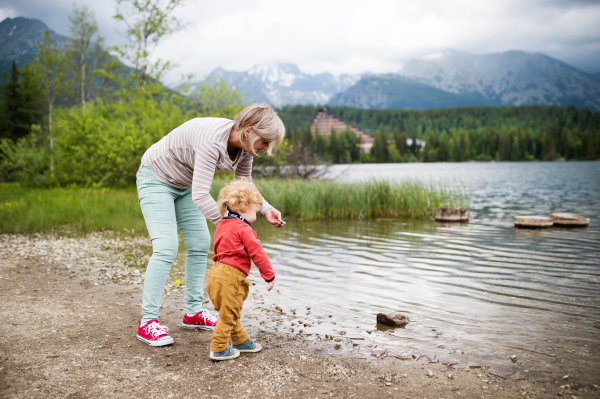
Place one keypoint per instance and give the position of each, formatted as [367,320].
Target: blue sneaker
[227,354]
[248,346]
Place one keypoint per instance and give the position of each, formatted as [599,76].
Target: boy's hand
[271,285]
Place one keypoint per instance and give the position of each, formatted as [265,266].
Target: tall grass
[318,199]
[35,209]
[25,209]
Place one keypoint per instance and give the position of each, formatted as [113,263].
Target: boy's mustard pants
[227,288]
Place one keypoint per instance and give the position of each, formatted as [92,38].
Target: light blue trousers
[165,208]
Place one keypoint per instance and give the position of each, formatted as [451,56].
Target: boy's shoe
[227,354]
[154,334]
[248,346]
[203,320]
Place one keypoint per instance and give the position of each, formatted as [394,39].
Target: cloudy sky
[350,36]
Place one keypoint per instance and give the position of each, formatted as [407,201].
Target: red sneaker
[154,334]
[202,320]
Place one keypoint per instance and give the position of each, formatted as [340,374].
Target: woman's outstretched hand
[274,217]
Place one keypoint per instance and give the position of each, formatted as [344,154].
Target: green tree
[13,125]
[148,23]
[380,151]
[52,66]
[333,146]
[400,141]
[95,71]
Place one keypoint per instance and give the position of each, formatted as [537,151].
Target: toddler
[236,246]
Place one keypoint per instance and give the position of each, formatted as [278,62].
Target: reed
[318,199]
[24,209]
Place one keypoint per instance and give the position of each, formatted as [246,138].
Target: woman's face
[261,144]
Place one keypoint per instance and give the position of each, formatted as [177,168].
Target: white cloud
[354,36]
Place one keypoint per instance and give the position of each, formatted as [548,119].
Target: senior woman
[173,184]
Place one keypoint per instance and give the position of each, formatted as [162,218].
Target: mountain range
[19,39]
[510,78]
[447,79]
[283,83]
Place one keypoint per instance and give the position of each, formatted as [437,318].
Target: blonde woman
[173,184]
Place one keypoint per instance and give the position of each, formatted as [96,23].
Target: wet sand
[68,333]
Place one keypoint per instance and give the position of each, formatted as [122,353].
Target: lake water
[475,293]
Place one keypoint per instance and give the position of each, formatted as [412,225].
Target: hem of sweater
[156,172]
[265,208]
[231,264]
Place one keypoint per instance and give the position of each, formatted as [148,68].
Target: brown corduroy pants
[227,288]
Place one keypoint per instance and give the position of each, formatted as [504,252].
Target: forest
[510,133]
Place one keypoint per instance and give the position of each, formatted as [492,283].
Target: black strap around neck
[229,213]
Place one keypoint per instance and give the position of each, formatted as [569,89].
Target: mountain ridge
[19,40]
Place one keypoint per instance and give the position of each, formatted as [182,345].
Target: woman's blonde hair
[238,195]
[265,125]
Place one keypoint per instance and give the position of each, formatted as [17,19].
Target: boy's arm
[257,254]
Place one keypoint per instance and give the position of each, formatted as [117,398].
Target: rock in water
[451,215]
[394,320]
[533,221]
[570,219]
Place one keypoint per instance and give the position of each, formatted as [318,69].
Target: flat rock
[451,215]
[533,221]
[569,219]
[391,319]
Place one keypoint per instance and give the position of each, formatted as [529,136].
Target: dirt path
[66,335]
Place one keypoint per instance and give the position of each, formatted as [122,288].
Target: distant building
[324,121]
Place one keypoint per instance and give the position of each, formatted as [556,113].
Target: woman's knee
[165,249]
[201,243]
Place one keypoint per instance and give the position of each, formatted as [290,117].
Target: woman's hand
[274,217]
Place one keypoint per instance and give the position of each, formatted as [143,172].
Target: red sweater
[236,245]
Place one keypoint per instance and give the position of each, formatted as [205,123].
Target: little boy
[236,246]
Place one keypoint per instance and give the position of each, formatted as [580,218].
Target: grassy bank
[318,199]
[25,209]
[35,209]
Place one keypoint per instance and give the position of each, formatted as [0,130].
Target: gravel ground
[70,307]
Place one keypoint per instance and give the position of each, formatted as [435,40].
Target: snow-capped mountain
[454,79]
[510,78]
[283,83]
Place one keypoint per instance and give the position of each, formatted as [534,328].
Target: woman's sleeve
[205,164]
[244,169]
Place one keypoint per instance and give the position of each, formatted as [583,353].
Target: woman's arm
[205,164]
[244,169]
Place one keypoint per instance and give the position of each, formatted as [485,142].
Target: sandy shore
[70,310]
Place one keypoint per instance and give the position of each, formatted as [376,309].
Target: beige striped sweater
[191,154]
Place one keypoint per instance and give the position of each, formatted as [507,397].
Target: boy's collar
[230,213]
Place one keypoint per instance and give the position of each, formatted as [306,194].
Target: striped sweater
[191,154]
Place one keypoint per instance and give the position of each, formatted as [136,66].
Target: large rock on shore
[394,320]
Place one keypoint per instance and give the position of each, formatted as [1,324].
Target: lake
[475,293]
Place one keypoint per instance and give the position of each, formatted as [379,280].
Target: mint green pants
[165,208]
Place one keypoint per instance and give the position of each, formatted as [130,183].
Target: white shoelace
[156,329]
[208,316]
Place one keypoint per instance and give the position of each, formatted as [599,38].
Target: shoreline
[69,333]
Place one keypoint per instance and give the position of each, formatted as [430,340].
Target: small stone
[566,377]
[450,377]
[277,308]
[337,346]
[169,364]
[337,339]
[388,384]
[429,373]
[394,320]
[513,358]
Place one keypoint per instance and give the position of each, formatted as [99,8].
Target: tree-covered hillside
[469,133]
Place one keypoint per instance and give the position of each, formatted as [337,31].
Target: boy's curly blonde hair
[238,195]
